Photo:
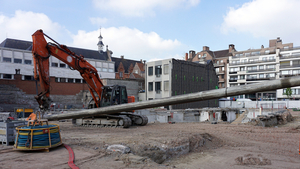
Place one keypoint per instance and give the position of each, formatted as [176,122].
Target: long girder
[205,95]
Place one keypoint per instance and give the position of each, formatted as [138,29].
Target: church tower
[100,43]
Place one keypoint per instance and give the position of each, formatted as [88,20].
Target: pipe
[205,95]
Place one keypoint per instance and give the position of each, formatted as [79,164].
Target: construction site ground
[179,145]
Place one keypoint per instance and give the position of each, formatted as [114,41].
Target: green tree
[288,93]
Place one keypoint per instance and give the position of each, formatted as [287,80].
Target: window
[62,65]
[136,71]
[7,76]
[150,71]
[270,66]
[252,67]
[63,80]
[234,69]
[295,72]
[158,70]
[77,80]
[221,61]
[272,58]
[5,59]
[56,79]
[28,77]
[204,55]
[150,86]
[285,72]
[17,60]
[255,53]
[157,86]
[166,85]
[296,62]
[223,84]
[110,70]
[104,69]
[166,68]
[252,77]
[261,67]
[27,62]
[70,80]
[244,61]
[247,54]
[267,51]
[261,76]
[242,69]
[222,76]
[264,59]
[223,68]
[242,77]
[54,64]
[217,70]
[233,78]
[271,75]
[121,74]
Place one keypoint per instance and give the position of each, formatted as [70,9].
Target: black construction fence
[189,77]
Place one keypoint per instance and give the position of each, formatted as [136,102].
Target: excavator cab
[113,95]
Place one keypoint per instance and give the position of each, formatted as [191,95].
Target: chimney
[191,54]
[205,48]
[186,56]
[262,46]
[122,56]
[141,61]
[231,48]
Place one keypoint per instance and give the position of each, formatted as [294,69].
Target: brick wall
[57,88]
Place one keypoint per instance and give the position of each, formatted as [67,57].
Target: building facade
[171,77]
[258,65]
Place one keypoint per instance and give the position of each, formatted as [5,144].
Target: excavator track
[140,120]
[105,121]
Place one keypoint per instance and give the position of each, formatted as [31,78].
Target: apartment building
[219,58]
[171,77]
[258,65]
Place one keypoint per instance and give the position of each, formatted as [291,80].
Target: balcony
[252,62]
[219,64]
[233,72]
[289,66]
[287,56]
[220,72]
[292,48]
[233,80]
[289,75]
[261,70]
[258,79]
[254,54]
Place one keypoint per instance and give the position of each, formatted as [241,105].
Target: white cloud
[98,21]
[141,8]
[132,43]
[265,18]
[23,24]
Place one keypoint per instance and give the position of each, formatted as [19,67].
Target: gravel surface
[179,145]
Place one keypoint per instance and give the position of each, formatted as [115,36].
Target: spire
[100,43]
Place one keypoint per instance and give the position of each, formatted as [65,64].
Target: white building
[258,65]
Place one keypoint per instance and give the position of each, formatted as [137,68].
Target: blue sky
[150,30]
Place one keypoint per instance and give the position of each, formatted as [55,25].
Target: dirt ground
[163,146]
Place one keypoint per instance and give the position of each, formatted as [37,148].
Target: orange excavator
[102,96]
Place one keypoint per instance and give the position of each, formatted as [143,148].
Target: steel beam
[205,95]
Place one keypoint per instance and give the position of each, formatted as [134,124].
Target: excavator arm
[41,51]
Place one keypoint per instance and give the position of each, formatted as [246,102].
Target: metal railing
[254,54]
[287,56]
[261,70]
[252,62]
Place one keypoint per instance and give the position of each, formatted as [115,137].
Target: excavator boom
[41,51]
